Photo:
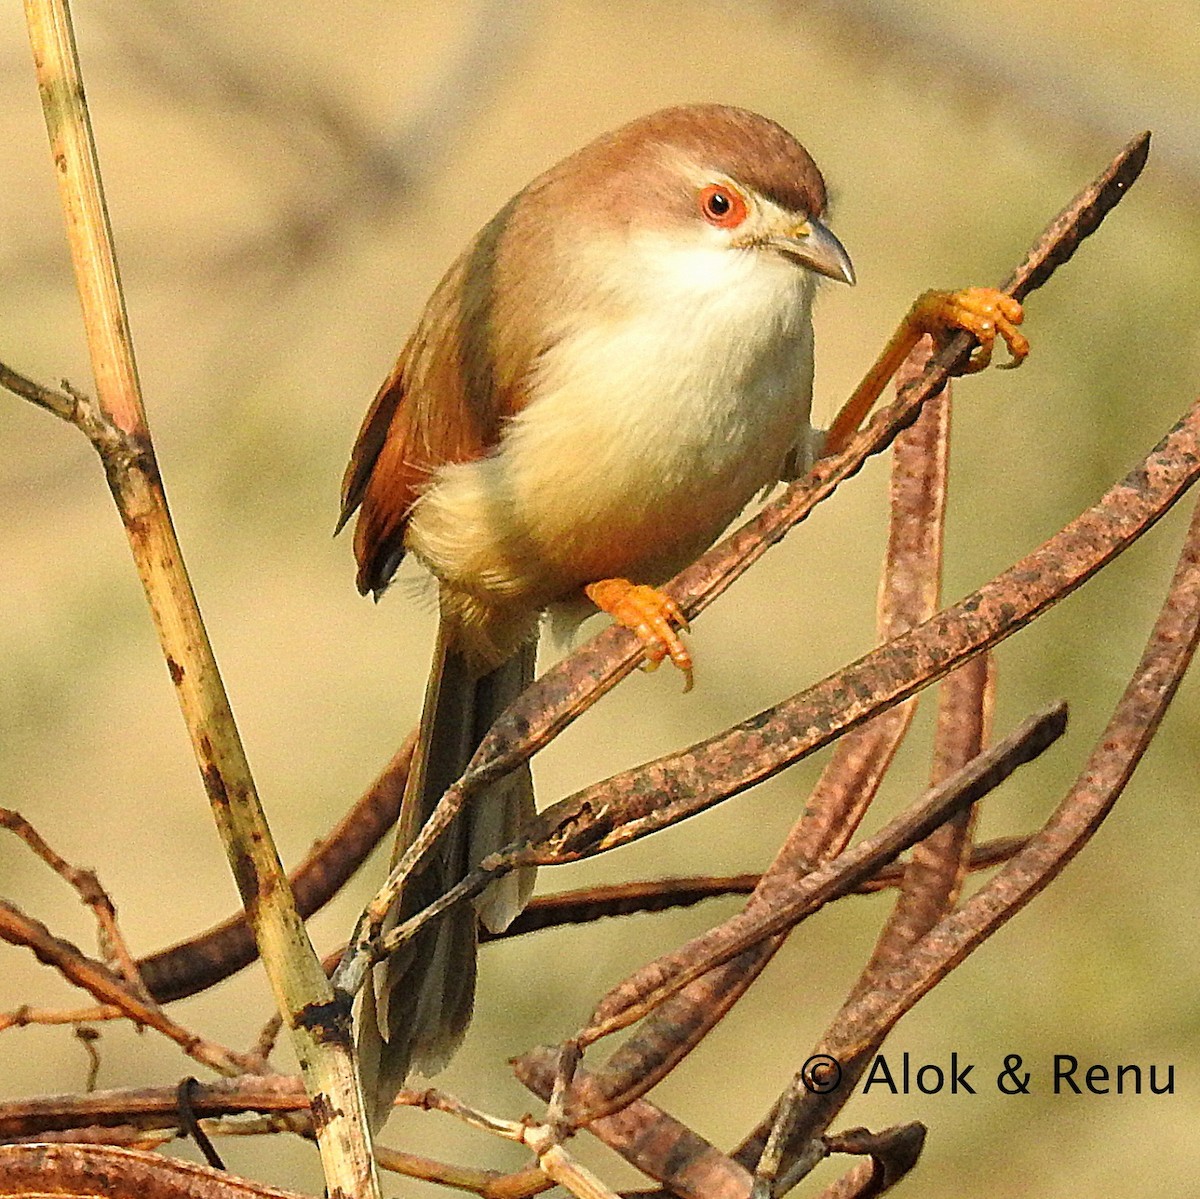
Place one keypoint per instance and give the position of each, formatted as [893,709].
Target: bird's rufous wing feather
[444,402]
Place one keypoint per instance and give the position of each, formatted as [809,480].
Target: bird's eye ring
[722,206]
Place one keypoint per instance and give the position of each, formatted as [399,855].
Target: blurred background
[287,184]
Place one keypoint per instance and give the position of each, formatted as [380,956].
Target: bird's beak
[812,245]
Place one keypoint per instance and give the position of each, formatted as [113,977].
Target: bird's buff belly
[534,521]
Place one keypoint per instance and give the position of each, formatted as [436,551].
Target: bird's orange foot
[983,312]
[654,617]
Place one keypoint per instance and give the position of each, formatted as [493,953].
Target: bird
[615,366]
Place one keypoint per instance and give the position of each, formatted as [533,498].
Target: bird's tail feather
[417,1011]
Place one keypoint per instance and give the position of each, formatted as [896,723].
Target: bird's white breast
[652,423]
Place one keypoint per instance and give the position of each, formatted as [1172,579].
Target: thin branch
[87,886]
[88,1037]
[150,1108]
[117,427]
[1108,769]
[108,988]
[587,904]
[61,403]
[491,1184]
[26,1015]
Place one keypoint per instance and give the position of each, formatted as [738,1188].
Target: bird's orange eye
[722,206]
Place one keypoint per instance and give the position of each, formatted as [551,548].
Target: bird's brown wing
[442,403]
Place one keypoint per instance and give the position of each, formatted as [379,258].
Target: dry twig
[865,1020]
[116,424]
[85,882]
[110,989]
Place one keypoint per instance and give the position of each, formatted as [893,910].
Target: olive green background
[286,187]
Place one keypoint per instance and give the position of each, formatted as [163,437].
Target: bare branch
[85,882]
[1136,718]
[657,895]
[90,1170]
[105,986]
[117,427]
[61,403]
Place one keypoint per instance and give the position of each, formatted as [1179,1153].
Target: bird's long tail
[416,1012]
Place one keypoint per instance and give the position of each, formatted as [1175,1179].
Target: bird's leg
[983,312]
[654,617]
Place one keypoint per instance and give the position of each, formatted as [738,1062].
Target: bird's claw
[984,312]
[655,618]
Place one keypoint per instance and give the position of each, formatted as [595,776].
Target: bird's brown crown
[622,170]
